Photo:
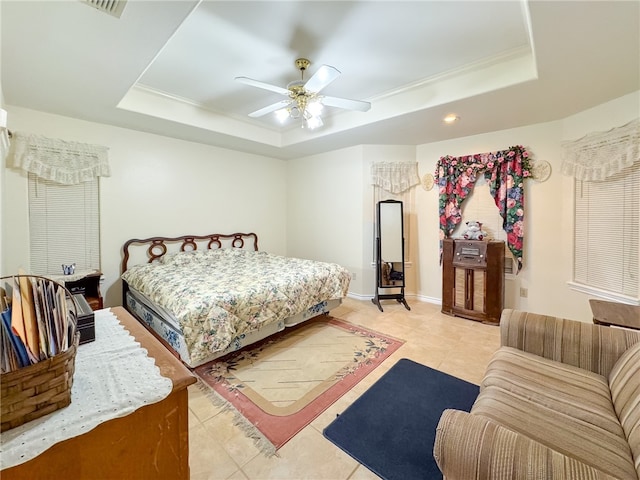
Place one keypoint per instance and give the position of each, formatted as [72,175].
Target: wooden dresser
[150,443]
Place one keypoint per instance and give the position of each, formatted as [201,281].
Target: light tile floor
[219,450]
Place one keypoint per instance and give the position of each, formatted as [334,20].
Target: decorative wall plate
[428,181]
[541,170]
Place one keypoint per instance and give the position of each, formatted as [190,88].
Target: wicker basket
[39,389]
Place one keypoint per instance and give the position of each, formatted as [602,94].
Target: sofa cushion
[624,382]
[561,406]
[592,347]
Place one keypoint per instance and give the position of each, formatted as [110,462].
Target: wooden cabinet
[89,287]
[473,279]
[150,443]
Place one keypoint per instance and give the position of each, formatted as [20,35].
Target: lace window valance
[60,161]
[599,155]
[395,177]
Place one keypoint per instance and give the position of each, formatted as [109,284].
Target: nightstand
[615,314]
[89,287]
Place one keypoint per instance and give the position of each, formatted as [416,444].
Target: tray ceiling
[168,67]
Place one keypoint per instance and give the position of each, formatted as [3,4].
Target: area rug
[283,383]
[391,427]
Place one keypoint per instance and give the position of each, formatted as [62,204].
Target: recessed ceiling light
[451,118]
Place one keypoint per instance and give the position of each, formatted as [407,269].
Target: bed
[206,296]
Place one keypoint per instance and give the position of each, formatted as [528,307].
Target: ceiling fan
[303,99]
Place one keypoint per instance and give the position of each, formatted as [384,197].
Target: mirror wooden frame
[390,275]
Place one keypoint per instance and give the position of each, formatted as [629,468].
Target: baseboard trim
[420,298]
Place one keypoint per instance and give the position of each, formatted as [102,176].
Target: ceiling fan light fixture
[282,114]
[294,112]
[315,108]
[313,122]
[304,99]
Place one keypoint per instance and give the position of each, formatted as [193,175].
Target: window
[64,225]
[606,169]
[64,214]
[395,181]
[480,206]
[607,229]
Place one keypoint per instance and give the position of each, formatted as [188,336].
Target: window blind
[64,225]
[607,232]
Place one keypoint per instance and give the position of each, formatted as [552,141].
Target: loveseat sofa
[560,399]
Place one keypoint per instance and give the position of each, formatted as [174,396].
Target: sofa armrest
[472,447]
[585,345]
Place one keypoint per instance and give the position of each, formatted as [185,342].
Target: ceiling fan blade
[323,77]
[346,103]
[265,86]
[270,108]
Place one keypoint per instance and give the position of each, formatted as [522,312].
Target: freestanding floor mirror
[389,253]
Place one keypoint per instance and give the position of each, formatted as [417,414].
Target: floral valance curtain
[599,155]
[395,177]
[504,171]
[68,163]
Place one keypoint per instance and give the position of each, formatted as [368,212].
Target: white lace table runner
[113,377]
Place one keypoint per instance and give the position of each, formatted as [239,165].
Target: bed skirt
[168,330]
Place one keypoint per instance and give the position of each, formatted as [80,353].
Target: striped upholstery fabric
[560,400]
[624,382]
[473,447]
[560,406]
[593,347]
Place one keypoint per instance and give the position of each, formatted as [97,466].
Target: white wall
[331,211]
[540,274]
[549,209]
[325,210]
[158,186]
[317,207]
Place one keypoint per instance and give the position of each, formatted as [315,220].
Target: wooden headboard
[156,247]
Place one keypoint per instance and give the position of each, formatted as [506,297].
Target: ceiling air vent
[112,7]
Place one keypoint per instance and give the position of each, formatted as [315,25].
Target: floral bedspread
[219,294]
